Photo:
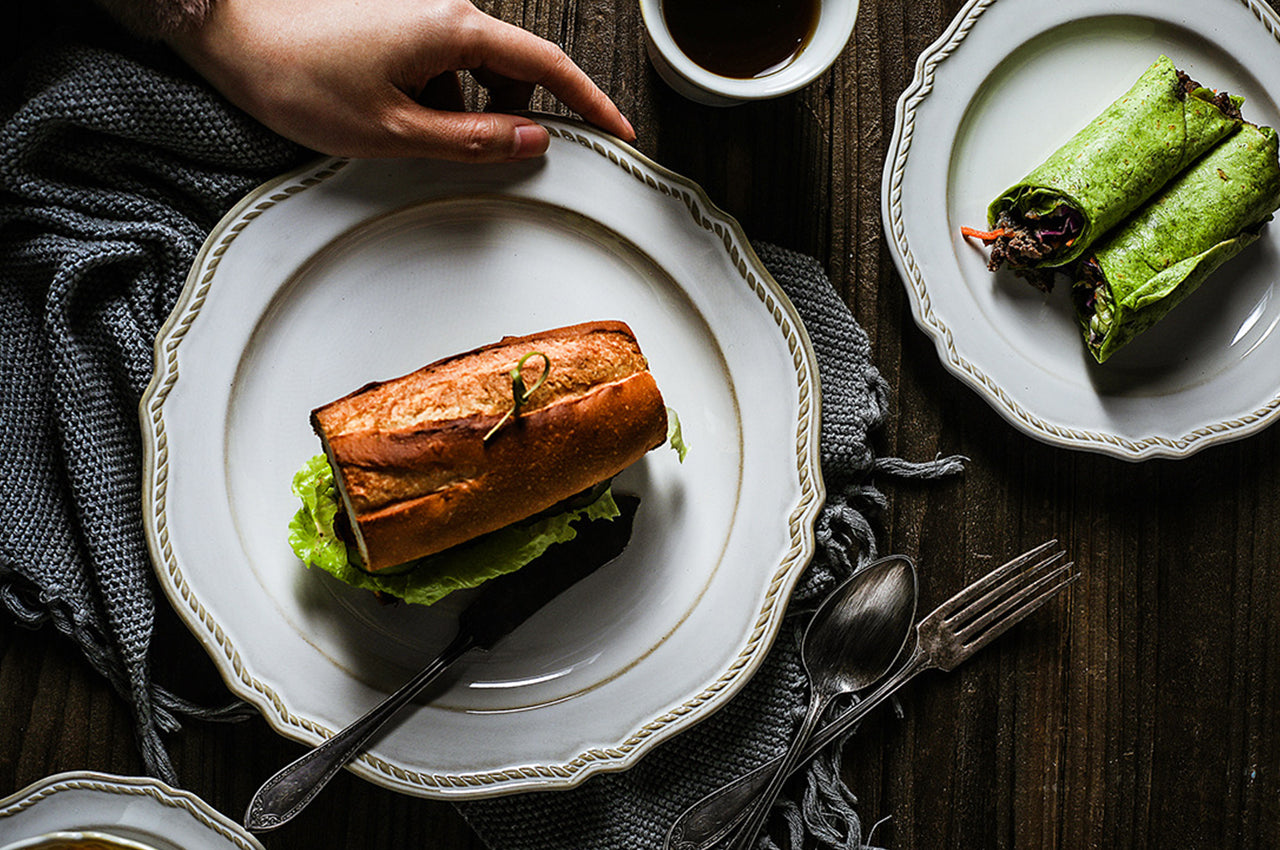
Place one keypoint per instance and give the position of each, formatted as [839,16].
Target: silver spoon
[851,642]
[706,822]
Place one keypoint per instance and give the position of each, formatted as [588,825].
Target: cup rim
[836,19]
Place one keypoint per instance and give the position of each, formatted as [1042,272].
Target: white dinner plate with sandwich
[1002,88]
[347,272]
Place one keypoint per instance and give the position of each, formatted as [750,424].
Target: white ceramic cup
[830,35]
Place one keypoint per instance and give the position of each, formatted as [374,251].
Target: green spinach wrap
[1201,219]
[1107,170]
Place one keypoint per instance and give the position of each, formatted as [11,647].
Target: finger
[512,52]
[464,136]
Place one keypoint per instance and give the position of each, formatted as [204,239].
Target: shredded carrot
[984,235]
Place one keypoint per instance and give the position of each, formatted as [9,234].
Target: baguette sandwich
[473,465]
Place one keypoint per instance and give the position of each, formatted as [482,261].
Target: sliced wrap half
[1107,170]
[1201,219]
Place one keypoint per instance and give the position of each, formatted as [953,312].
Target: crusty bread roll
[416,474]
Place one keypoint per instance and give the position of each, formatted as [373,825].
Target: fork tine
[979,587]
[997,621]
[990,600]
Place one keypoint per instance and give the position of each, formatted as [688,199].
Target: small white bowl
[77,840]
[86,808]
[830,35]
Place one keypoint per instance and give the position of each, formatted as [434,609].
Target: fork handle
[709,820]
[917,663]
[758,810]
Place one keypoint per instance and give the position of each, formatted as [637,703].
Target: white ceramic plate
[139,809]
[1004,86]
[348,272]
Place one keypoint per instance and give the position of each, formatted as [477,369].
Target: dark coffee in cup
[744,39]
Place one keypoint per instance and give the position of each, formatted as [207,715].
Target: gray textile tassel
[899,468]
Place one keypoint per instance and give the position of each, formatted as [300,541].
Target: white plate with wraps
[1001,89]
[351,271]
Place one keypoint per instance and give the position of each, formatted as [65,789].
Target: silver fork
[955,630]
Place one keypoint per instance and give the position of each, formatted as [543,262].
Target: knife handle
[294,786]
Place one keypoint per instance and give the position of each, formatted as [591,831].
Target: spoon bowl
[850,644]
[862,627]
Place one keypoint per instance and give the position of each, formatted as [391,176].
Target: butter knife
[502,605]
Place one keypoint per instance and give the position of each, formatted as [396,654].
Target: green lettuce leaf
[311,532]
[430,579]
[674,436]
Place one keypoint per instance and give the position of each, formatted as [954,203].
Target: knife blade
[500,607]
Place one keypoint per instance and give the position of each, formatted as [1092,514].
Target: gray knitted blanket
[113,168]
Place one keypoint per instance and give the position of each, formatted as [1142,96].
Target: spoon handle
[293,787]
[709,820]
[760,807]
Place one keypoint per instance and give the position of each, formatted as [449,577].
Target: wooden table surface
[1142,710]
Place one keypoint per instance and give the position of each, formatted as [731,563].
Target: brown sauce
[743,39]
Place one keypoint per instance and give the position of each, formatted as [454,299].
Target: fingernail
[631,131]
[531,140]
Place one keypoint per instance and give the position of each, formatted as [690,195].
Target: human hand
[372,78]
